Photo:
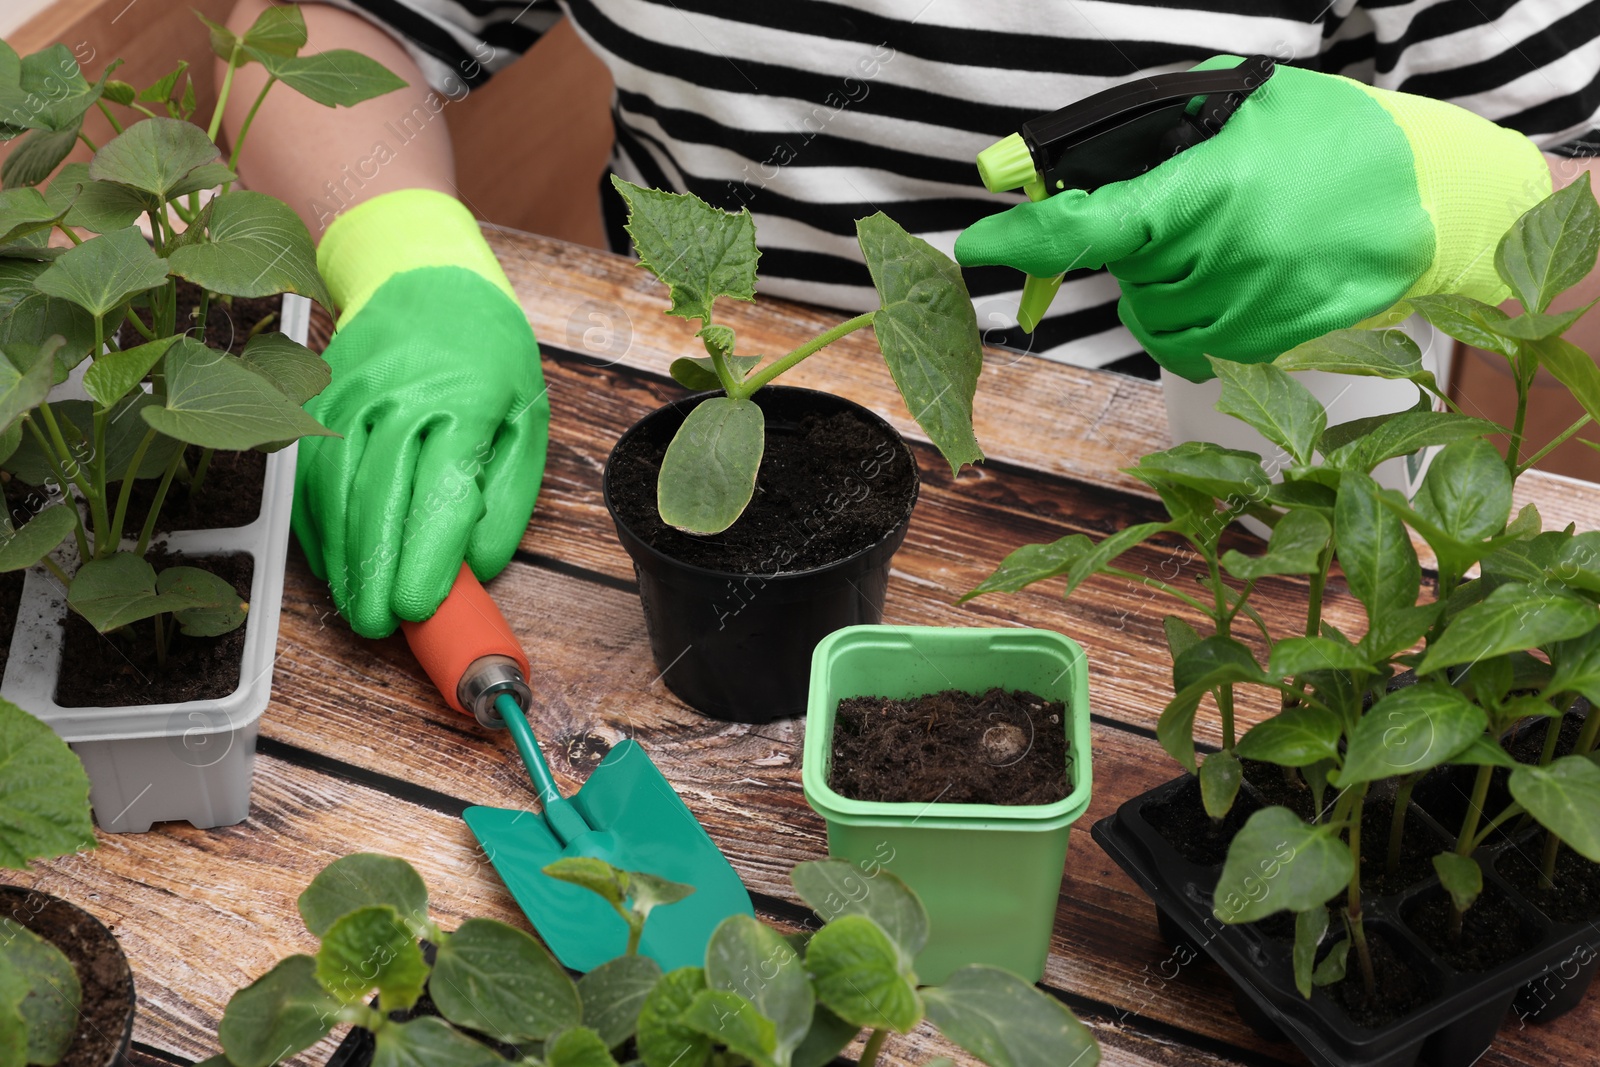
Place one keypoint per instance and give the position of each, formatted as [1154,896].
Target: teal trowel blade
[638,823]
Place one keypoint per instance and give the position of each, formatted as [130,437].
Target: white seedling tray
[192,760]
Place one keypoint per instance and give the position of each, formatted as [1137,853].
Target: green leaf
[1513,618]
[283,1012]
[1220,776]
[578,1047]
[1108,549]
[1552,246]
[709,472]
[1180,635]
[1461,877]
[1379,563]
[1006,1022]
[430,1042]
[161,91]
[1301,655]
[24,547]
[1212,657]
[492,977]
[699,374]
[114,373]
[277,31]
[52,77]
[40,316]
[1533,326]
[1572,367]
[858,973]
[216,401]
[298,372]
[751,959]
[596,875]
[1294,548]
[1577,666]
[1411,431]
[103,272]
[1227,474]
[1266,398]
[13,1028]
[22,391]
[664,1040]
[205,176]
[1295,737]
[613,993]
[124,430]
[1309,928]
[360,880]
[1033,563]
[153,156]
[372,946]
[216,609]
[732,1021]
[699,252]
[1467,491]
[647,892]
[1410,730]
[33,160]
[1175,727]
[49,1008]
[829,1035]
[24,211]
[120,92]
[223,40]
[1565,797]
[1279,863]
[118,590]
[1484,751]
[837,887]
[254,246]
[1467,320]
[928,333]
[1332,967]
[335,78]
[1369,353]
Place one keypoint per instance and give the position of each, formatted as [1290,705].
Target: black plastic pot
[1455,1026]
[738,646]
[102,969]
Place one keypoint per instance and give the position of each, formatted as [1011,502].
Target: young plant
[154,386]
[1514,646]
[925,326]
[762,999]
[44,812]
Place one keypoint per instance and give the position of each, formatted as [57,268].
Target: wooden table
[358,753]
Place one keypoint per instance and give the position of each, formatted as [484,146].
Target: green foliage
[925,328]
[1280,863]
[763,999]
[115,287]
[39,996]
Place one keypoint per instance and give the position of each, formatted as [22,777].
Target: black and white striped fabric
[814,114]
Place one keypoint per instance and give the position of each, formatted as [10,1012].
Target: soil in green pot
[118,668]
[103,972]
[1000,747]
[822,495]
[1491,933]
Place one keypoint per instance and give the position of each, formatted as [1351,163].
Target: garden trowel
[626,813]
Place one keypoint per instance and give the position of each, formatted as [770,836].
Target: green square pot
[989,874]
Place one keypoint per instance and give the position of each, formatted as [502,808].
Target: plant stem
[125,493]
[635,931]
[55,568]
[238,140]
[1586,736]
[138,324]
[155,505]
[88,143]
[1511,811]
[772,370]
[1514,446]
[160,620]
[1358,932]
[1551,447]
[1552,738]
[1469,823]
[1547,865]
[1157,583]
[875,1040]
[106,111]
[71,234]
[1319,581]
[61,480]
[719,363]
[1397,822]
[222,94]
[1225,706]
[199,477]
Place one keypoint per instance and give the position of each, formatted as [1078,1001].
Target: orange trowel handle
[467,627]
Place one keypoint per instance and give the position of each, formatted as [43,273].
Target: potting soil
[1000,747]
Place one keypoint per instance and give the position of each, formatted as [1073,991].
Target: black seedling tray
[1452,1029]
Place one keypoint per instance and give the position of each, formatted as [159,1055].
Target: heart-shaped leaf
[22,548]
[153,155]
[103,272]
[492,977]
[121,589]
[254,246]
[709,472]
[858,973]
[360,880]
[217,607]
[37,157]
[93,205]
[217,401]
[44,792]
[298,372]
[114,373]
[1006,1022]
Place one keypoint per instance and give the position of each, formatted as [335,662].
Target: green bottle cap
[1007,164]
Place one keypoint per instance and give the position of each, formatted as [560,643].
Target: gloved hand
[1320,204]
[441,405]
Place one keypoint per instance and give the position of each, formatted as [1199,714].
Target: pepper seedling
[1512,647]
[762,999]
[925,326]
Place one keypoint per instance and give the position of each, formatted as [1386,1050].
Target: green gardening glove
[441,405]
[1320,204]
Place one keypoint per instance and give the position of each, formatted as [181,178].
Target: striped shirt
[814,114]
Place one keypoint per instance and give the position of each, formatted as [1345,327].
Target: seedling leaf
[1410,730]
[492,977]
[699,252]
[1006,1022]
[1552,246]
[1279,863]
[708,474]
[360,880]
[283,1012]
[372,946]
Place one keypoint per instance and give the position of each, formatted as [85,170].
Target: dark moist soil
[102,971]
[1446,793]
[10,595]
[120,667]
[951,747]
[830,489]
[1492,930]
[1400,989]
[229,496]
[1183,823]
[229,320]
[1576,896]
